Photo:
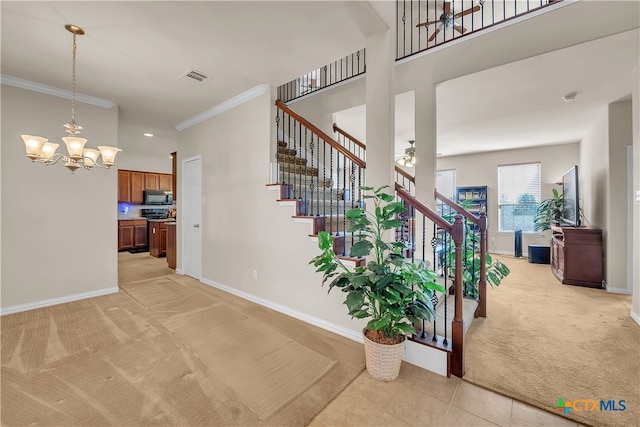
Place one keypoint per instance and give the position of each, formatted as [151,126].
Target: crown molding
[224,106]
[54,91]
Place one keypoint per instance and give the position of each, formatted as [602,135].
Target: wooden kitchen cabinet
[171,244]
[174,175]
[132,234]
[165,182]
[157,238]
[151,181]
[130,186]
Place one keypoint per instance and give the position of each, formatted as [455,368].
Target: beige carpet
[113,361]
[543,340]
[266,369]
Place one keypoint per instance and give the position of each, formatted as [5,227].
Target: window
[519,196]
[446,185]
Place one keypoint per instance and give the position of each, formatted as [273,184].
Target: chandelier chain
[73,82]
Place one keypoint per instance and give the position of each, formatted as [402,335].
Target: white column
[380,101]
[426,145]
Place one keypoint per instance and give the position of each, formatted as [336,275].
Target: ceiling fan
[409,158]
[447,19]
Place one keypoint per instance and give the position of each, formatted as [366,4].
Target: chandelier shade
[40,150]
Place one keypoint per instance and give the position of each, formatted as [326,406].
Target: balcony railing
[338,71]
[424,24]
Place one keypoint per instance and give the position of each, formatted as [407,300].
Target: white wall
[59,230]
[482,169]
[615,234]
[593,182]
[603,188]
[243,228]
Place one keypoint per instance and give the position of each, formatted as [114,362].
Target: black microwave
[158,197]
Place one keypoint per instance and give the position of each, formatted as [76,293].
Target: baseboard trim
[623,291]
[328,326]
[55,301]
[510,253]
[635,317]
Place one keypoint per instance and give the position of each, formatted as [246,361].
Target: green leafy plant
[393,292]
[549,212]
[495,270]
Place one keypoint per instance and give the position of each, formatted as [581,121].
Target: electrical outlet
[255,274]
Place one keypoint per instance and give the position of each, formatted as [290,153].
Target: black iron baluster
[324,181]
[331,190]
[344,202]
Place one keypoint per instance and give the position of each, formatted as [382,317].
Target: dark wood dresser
[576,255]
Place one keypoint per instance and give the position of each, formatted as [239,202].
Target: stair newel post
[279,171]
[482,283]
[457,328]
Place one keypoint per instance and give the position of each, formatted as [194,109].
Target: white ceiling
[134,53]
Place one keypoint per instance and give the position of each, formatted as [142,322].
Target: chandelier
[40,150]
[409,159]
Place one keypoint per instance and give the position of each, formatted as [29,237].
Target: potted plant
[549,212]
[390,290]
[495,271]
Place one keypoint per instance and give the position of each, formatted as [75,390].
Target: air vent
[195,76]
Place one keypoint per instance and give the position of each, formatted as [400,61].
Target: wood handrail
[405,174]
[456,207]
[424,210]
[352,138]
[355,159]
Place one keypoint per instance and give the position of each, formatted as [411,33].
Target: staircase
[321,178]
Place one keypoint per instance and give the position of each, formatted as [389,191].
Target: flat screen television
[570,199]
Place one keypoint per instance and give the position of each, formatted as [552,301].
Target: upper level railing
[424,24]
[338,71]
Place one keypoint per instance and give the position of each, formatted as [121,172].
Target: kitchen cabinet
[151,181]
[174,175]
[130,186]
[132,234]
[157,238]
[164,182]
[171,244]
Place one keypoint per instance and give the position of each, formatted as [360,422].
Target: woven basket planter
[383,361]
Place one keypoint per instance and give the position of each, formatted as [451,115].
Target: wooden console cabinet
[576,256]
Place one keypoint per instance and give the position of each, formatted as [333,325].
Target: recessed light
[570,96]
[150,135]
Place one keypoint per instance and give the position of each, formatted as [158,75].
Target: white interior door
[191,207]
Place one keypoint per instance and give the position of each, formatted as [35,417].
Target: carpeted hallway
[162,351]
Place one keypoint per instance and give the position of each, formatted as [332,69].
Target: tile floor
[422,398]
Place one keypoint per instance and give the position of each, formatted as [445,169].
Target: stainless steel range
[155,213]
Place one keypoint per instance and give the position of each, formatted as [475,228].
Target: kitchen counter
[167,220]
[132,219]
